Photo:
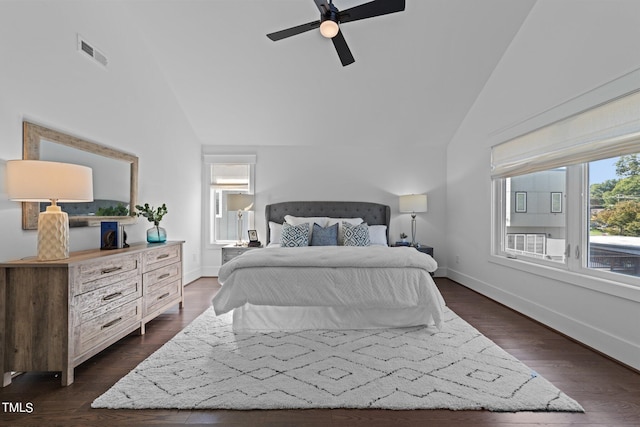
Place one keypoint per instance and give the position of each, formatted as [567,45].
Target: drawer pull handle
[110,324]
[112,296]
[164,276]
[111,270]
[163,296]
[162,256]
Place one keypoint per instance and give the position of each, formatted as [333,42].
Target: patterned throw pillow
[294,235]
[356,235]
[324,236]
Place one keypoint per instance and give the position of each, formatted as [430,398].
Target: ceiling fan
[331,18]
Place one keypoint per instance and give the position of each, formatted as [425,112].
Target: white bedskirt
[271,318]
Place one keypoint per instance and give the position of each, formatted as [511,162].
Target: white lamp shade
[41,181]
[239,202]
[411,203]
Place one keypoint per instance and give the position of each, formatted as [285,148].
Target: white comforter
[362,277]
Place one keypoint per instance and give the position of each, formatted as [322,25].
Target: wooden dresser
[54,315]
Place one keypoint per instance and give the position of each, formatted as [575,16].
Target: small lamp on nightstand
[40,181]
[240,203]
[413,203]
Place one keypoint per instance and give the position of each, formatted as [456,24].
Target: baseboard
[210,271]
[191,276]
[617,348]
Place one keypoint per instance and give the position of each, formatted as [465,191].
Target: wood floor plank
[609,392]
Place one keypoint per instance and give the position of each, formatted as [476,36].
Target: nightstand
[232,251]
[425,249]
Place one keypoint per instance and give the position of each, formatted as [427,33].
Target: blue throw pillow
[295,235]
[324,236]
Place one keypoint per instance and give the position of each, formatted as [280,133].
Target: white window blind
[608,130]
[230,158]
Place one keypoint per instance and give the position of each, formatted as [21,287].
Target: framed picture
[521,201]
[253,236]
[556,202]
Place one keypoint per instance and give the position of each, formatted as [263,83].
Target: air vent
[86,48]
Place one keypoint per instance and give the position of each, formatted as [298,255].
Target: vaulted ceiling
[416,74]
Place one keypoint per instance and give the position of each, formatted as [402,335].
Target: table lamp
[240,203]
[41,181]
[413,203]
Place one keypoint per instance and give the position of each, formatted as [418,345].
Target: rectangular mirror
[115,177]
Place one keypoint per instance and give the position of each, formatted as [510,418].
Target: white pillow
[297,220]
[352,221]
[275,232]
[378,235]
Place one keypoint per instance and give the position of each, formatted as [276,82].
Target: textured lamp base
[53,234]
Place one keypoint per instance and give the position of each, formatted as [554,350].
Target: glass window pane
[614,212]
[227,179]
[535,223]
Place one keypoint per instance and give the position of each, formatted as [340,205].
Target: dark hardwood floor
[609,392]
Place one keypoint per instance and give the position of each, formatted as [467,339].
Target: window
[568,195]
[227,174]
[533,223]
[614,215]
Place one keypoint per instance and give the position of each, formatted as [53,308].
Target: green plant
[403,236]
[152,214]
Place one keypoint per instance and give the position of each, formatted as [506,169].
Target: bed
[346,285]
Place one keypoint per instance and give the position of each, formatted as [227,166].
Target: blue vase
[156,234]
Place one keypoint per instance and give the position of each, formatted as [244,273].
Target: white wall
[377,174]
[585,45]
[128,106]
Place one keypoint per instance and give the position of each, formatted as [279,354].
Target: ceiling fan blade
[343,50]
[371,9]
[279,35]
[323,6]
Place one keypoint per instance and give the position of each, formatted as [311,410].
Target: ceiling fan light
[329,28]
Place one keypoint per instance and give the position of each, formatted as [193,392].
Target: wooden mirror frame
[32,136]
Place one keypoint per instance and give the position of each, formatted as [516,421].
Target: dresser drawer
[97,302]
[162,296]
[161,276]
[159,257]
[94,275]
[102,328]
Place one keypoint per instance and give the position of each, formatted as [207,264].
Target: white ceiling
[416,74]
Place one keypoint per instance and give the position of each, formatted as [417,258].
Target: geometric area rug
[208,366]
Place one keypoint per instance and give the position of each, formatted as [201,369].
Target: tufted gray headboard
[371,213]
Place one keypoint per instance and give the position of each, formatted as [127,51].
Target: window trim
[593,283]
